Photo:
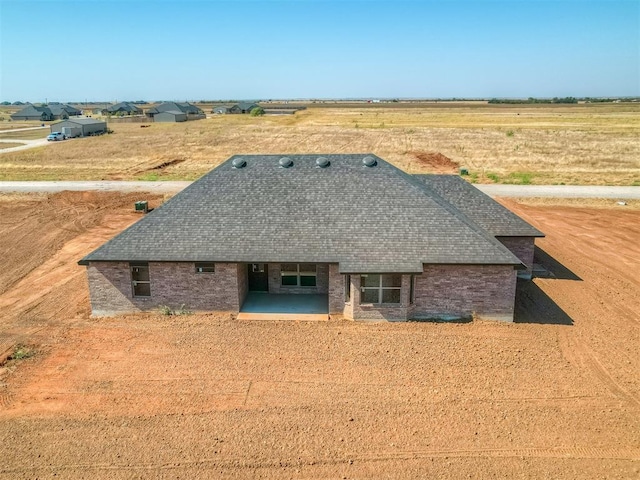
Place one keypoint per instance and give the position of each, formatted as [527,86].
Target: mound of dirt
[436,162]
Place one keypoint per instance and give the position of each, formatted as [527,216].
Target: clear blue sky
[184,50]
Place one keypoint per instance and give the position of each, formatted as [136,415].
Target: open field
[539,144]
[26,134]
[555,395]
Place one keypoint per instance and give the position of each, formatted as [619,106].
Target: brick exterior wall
[336,290]
[322,281]
[356,311]
[172,284]
[462,290]
[243,283]
[521,247]
[442,290]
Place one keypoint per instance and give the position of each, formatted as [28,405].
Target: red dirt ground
[436,162]
[555,395]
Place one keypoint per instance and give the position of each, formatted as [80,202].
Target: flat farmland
[538,144]
[554,395]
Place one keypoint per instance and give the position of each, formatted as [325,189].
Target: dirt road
[517,191]
[555,395]
[27,144]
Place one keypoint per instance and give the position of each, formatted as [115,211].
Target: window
[347,288]
[377,288]
[140,280]
[205,267]
[412,290]
[257,267]
[298,274]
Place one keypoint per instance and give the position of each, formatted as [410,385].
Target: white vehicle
[55,136]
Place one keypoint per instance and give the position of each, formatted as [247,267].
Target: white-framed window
[205,267]
[140,280]
[298,274]
[380,288]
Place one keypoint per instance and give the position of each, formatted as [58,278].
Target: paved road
[558,191]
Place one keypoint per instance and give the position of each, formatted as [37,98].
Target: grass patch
[21,352]
[4,145]
[494,177]
[519,178]
[149,177]
[26,135]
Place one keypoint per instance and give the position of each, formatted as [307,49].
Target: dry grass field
[538,144]
[554,395]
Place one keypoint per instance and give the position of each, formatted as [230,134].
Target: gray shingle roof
[59,108]
[367,219]
[175,106]
[479,207]
[123,107]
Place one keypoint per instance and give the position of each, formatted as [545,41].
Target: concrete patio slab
[265,306]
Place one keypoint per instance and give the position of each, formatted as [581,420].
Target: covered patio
[268,306]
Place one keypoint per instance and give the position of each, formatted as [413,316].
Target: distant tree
[257,112]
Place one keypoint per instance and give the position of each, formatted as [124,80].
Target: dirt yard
[555,395]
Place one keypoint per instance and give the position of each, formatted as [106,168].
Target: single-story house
[61,110]
[46,113]
[123,108]
[170,116]
[221,110]
[192,112]
[80,127]
[351,233]
[31,112]
[243,107]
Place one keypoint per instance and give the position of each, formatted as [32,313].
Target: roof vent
[322,162]
[369,162]
[285,162]
[239,162]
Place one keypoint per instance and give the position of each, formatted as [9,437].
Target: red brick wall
[357,311]
[172,284]
[521,247]
[463,290]
[336,289]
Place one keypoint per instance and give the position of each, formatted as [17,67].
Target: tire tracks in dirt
[581,355]
[576,452]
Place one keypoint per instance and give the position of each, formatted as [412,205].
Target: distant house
[80,127]
[243,107]
[221,110]
[62,110]
[46,113]
[191,111]
[335,234]
[171,116]
[123,108]
[31,112]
